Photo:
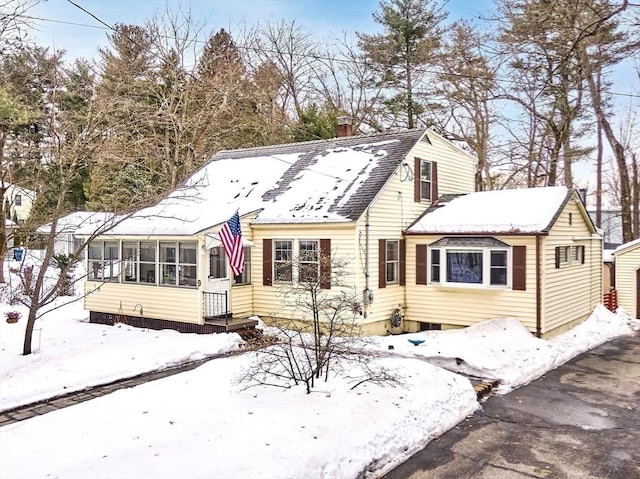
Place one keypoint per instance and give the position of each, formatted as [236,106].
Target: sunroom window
[170,263]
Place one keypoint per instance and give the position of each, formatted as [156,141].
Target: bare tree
[467,88]
[14,24]
[321,335]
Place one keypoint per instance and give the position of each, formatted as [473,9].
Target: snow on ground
[70,354]
[504,350]
[203,423]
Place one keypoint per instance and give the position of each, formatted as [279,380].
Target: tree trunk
[617,148]
[28,334]
[599,174]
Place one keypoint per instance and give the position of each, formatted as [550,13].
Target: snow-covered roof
[86,221]
[526,210]
[627,246]
[310,182]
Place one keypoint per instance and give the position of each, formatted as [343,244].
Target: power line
[427,71]
[198,80]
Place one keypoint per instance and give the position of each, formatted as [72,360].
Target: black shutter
[421,264]
[519,268]
[416,181]
[382,263]
[267,264]
[434,182]
[325,264]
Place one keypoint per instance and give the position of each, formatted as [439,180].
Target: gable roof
[626,247]
[310,182]
[517,211]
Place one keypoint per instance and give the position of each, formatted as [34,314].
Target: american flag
[231,237]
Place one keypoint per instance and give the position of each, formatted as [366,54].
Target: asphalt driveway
[579,421]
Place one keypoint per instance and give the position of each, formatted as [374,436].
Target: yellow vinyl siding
[242,298]
[172,304]
[268,301]
[456,169]
[572,291]
[627,262]
[464,306]
[394,210]
[158,302]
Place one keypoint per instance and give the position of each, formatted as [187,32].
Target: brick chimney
[344,126]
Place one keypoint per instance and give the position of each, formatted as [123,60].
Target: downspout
[538,290]
[366,301]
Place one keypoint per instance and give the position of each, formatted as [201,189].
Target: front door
[218,282]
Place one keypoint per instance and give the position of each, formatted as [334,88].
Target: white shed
[627,274]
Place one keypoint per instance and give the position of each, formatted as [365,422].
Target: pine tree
[404,51]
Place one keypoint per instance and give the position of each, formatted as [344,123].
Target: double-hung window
[435,265]
[245,276]
[309,261]
[425,180]
[217,263]
[283,261]
[392,261]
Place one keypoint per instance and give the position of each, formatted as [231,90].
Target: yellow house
[350,197]
[382,204]
[627,276]
[532,254]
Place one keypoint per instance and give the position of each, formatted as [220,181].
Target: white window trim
[486,268]
[395,261]
[430,181]
[571,256]
[295,257]
[157,264]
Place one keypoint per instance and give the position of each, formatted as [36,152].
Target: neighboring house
[19,200]
[627,276]
[66,241]
[348,197]
[532,254]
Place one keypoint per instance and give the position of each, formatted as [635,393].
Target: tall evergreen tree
[402,54]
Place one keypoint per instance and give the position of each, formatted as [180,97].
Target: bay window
[470,261]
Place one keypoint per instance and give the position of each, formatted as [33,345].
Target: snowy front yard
[202,423]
